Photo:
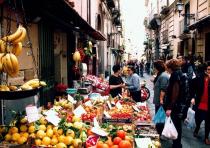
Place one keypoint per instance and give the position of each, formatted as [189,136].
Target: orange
[125,144]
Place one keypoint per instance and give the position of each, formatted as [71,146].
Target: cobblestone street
[188,140]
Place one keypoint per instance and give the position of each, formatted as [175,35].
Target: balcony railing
[164,10]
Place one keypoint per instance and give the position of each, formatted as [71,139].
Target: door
[207,47]
[46,62]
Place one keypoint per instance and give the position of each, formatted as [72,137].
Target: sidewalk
[188,141]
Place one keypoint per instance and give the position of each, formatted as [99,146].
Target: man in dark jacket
[202,102]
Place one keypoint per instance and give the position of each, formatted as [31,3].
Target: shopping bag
[169,130]
[160,116]
[190,120]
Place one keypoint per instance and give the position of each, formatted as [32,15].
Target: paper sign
[136,108]
[88,103]
[50,113]
[71,99]
[79,111]
[118,105]
[95,123]
[109,104]
[120,95]
[32,114]
[107,114]
[99,131]
[141,104]
[112,102]
[53,119]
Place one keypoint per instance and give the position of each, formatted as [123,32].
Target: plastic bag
[190,120]
[169,130]
[160,116]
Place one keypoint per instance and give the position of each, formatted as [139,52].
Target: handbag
[160,116]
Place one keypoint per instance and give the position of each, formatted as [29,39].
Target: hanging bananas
[10,64]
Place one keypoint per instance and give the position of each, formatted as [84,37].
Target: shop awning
[60,11]
[203,21]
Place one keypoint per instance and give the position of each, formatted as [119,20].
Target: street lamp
[180,8]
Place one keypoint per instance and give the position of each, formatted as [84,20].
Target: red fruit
[117,140]
[125,144]
[121,134]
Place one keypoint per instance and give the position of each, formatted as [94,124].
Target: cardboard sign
[79,111]
[136,108]
[95,123]
[107,114]
[109,104]
[50,113]
[99,131]
[53,119]
[118,105]
[88,103]
[71,99]
[32,113]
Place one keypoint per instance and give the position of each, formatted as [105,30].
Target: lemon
[68,140]
[8,137]
[15,136]
[40,134]
[38,142]
[42,120]
[54,141]
[32,135]
[22,140]
[46,141]
[61,145]
[49,127]
[23,120]
[42,127]
[76,119]
[25,134]
[55,129]
[60,131]
[13,130]
[23,128]
[77,142]
[31,129]
[61,138]
[70,132]
[49,132]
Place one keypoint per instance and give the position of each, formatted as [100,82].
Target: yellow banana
[7,64]
[21,37]
[15,64]
[2,46]
[13,36]
[5,46]
[1,64]
[17,49]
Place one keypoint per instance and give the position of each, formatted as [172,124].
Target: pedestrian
[173,98]
[202,102]
[142,68]
[160,86]
[116,82]
[133,84]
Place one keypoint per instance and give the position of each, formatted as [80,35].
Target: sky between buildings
[133,13]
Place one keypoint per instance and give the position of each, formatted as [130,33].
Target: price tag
[71,99]
[95,123]
[136,108]
[53,119]
[142,104]
[50,113]
[79,111]
[107,114]
[32,113]
[99,131]
[88,103]
[118,105]
[109,104]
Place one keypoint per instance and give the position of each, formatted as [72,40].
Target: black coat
[199,88]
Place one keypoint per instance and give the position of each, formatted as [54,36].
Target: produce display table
[96,121]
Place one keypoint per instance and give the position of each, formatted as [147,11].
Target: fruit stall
[75,121]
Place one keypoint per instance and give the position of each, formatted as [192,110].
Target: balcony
[164,10]
[154,22]
[165,36]
[184,30]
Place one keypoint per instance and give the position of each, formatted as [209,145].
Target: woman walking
[160,86]
[202,102]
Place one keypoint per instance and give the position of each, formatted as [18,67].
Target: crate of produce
[146,131]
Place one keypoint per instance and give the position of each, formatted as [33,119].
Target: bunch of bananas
[31,84]
[8,88]
[10,47]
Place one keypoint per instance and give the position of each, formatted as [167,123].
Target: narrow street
[188,140]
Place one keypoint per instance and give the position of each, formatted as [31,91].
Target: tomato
[125,144]
[121,134]
[117,140]
[114,146]
[99,144]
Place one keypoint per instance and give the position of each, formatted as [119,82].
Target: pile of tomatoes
[119,141]
[91,113]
